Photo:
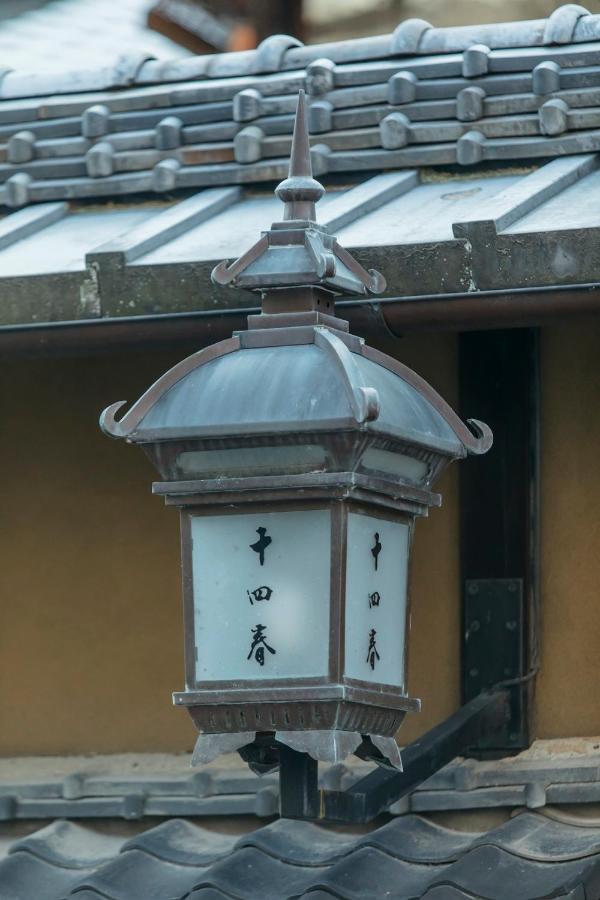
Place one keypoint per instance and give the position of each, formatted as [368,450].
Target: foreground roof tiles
[421,96]
[527,857]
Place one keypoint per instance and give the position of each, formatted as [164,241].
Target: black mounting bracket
[301,797]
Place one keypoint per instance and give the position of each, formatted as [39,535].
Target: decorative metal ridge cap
[129,422]
[476,442]
[569,23]
[364,400]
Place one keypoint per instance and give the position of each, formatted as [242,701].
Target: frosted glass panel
[261,595]
[239,461]
[414,471]
[376,599]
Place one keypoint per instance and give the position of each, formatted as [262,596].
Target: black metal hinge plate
[493,650]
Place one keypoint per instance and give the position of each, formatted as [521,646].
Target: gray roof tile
[250,874]
[181,842]
[25,877]
[418,840]
[421,96]
[299,843]
[68,845]
[134,875]
[73,33]
[543,840]
[494,874]
[367,870]
[527,858]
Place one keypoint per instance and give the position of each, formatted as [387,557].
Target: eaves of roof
[507,247]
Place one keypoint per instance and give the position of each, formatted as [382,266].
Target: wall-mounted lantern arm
[301,797]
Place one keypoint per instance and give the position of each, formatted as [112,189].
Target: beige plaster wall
[567,695]
[90,618]
[434,646]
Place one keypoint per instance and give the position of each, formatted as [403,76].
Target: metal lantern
[299,459]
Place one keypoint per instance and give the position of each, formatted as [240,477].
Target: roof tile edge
[567,24]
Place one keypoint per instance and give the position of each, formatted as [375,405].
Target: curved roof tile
[407,859]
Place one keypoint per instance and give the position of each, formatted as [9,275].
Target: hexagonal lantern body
[299,458]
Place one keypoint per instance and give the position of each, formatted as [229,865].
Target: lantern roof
[315,380]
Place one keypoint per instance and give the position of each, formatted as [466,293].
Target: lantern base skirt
[296,715]
[328,730]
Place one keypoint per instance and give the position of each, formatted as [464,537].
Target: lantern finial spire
[300,155]
[300,191]
[297,265]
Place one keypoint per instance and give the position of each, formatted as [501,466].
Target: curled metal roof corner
[109,425]
[482,440]
[475,439]
[126,426]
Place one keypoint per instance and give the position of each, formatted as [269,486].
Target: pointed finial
[300,191]
[300,163]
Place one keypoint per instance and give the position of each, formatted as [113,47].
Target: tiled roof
[419,96]
[109,787]
[527,857]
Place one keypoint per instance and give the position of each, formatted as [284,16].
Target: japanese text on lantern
[375,583]
[253,593]
[374,600]
[263,592]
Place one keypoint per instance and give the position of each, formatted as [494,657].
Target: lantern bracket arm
[301,798]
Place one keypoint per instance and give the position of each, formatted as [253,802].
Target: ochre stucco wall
[90,619]
[434,645]
[567,693]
